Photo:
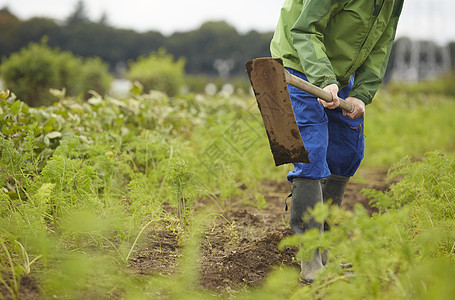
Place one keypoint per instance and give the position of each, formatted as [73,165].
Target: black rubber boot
[306,193]
[333,189]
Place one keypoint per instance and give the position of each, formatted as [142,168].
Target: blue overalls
[335,142]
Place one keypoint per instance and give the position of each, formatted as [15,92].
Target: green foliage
[91,178]
[95,77]
[36,69]
[83,182]
[395,254]
[75,183]
[427,188]
[7,266]
[79,15]
[398,125]
[159,71]
[88,38]
[179,177]
[197,83]
[431,178]
[442,85]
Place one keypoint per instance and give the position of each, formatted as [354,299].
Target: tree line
[216,48]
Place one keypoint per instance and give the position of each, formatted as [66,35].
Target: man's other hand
[358,108]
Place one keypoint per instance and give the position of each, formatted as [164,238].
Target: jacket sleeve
[368,77]
[308,40]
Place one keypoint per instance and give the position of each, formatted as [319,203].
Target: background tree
[215,48]
[79,15]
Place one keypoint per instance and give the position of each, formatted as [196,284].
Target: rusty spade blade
[268,80]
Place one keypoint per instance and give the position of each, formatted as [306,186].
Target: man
[342,46]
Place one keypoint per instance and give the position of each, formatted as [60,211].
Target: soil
[239,249]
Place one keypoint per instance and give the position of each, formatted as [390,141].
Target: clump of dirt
[245,257]
[159,256]
[248,249]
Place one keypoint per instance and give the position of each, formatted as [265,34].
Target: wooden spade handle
[314,90]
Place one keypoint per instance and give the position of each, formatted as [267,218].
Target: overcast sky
[421,19]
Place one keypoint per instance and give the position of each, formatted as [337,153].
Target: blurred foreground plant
[396,253]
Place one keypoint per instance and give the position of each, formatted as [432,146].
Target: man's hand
[357,104]
[358,108]
[332,89]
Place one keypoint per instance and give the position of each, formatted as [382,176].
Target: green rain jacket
[330,40]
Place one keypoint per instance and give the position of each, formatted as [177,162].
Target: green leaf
[15,108]
[53,135]
[49,125]
[25,108]
[137,88]
[6,130]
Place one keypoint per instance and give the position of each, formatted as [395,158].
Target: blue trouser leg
[335,142]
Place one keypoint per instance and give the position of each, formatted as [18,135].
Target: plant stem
[137,238]
[14,290]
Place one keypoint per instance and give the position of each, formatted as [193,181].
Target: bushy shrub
[36,69]
[158,71]
[95,75]
[197,83]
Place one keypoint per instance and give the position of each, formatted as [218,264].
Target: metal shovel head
[269,85]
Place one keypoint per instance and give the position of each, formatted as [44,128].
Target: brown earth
[239,248]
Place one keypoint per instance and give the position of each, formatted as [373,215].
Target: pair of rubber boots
[306,193]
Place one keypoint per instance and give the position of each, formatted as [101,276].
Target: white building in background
[418,57]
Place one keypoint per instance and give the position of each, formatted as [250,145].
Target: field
[151,197]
